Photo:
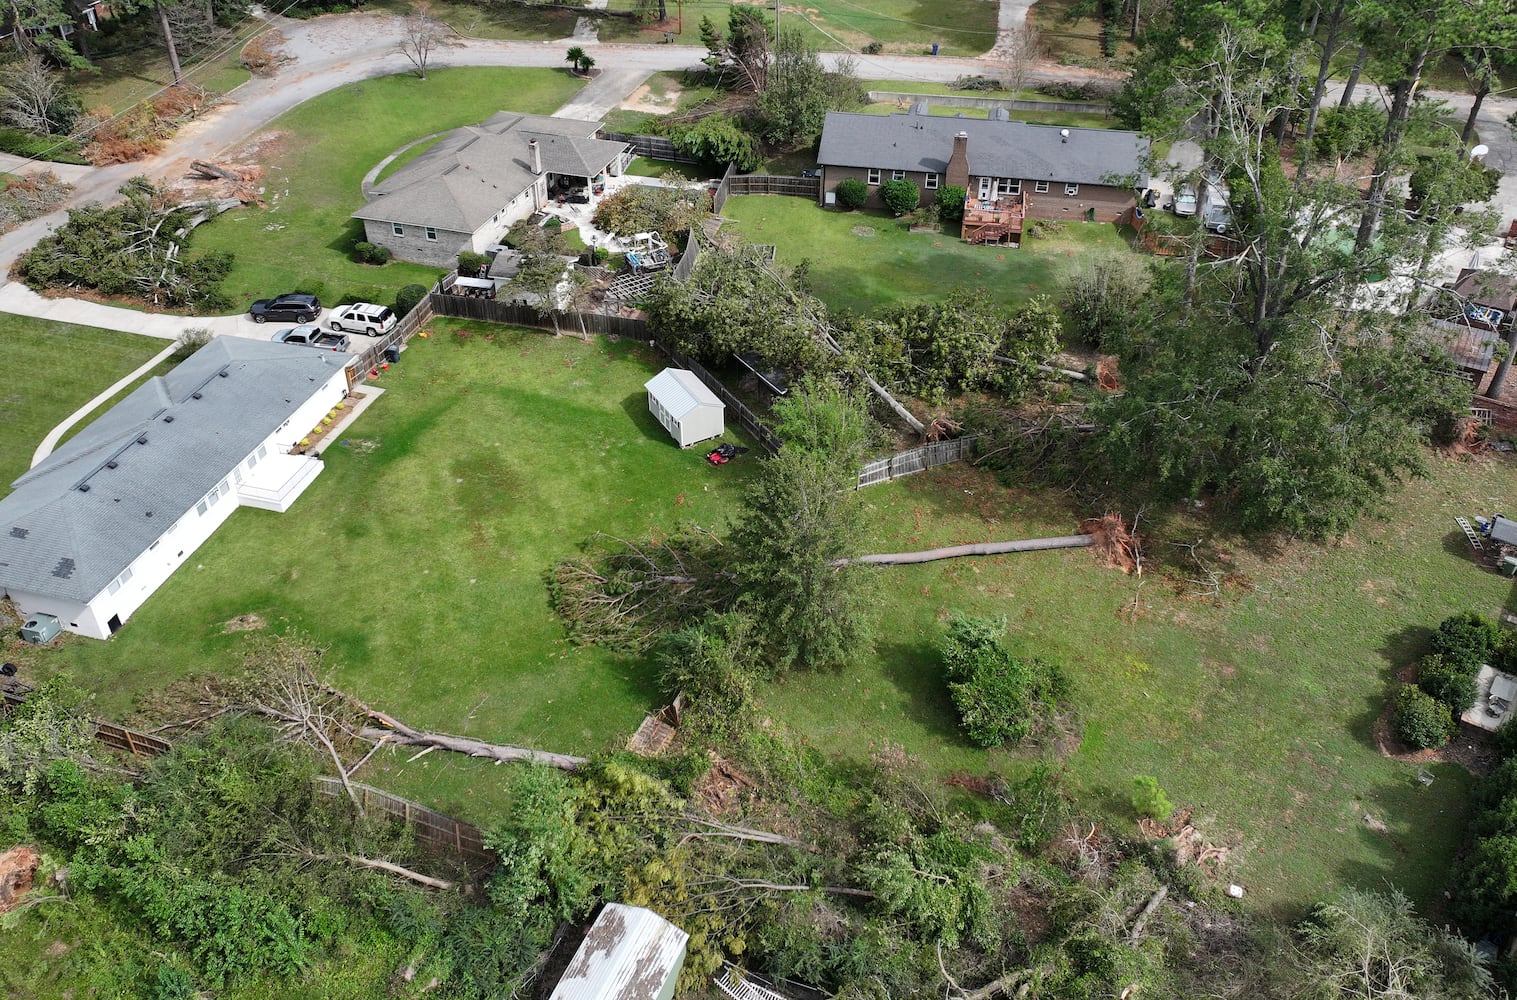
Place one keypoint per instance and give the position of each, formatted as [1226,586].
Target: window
[1070,190]
[126,574]
[115,585]
[874,175]
[263,450]
[226,487]
[212,497]
[432,234]
[252,460]
[1009,186]
[237,473]
[202,507]
[932,182]
[898,175]
[1041,187]
[397,229]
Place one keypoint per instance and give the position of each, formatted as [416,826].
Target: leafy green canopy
[1001,698]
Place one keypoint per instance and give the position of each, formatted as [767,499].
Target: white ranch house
[93,530]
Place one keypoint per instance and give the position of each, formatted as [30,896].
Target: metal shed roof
[680,392]
[629,954]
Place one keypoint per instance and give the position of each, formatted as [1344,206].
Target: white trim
[932,182]
[873,177]
[1040,187]
[1070,190]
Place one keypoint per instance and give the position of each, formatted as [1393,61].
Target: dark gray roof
[58,540]
[473,172]
[996,148]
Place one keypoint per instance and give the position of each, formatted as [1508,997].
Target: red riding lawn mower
[724,453]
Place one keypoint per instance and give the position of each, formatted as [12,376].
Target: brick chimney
[536,155]
[958,163]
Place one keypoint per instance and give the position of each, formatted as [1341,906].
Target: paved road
[334,50]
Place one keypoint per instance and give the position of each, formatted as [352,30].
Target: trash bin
[934,48]
[392,353]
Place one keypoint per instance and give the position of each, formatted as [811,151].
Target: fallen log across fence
[430,826]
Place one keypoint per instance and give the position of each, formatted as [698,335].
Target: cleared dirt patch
[243,623]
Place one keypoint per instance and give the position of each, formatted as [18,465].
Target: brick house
[1008,169]
[466,191]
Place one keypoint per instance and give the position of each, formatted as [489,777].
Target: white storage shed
[687,409]
[630,953]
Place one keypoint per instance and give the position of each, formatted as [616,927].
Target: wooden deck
[997,220]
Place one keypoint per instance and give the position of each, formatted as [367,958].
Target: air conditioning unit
[41,629]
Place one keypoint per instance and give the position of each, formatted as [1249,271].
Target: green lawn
[519,23]
[862,259]
[960,27]
[118,82]
[52,370]
[302,239]
[419,555]
[1255,709]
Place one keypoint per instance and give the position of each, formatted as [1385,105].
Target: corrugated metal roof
[629,954]
[96,503]
[681,392]
[996,148]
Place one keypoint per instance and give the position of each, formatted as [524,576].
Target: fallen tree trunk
[976,549]
[474,748]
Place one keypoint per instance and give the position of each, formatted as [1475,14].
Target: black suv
[296,306]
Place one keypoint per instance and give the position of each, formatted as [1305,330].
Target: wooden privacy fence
[723,190]
[1216,247]
[374,354]
[686,265]
[431,827]
[117,737]
[655,147]
[798,187]
[883,470]
[516,314]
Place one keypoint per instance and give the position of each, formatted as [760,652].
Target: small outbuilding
[630,953]
[687,409]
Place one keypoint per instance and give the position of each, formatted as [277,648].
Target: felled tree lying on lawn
[133,248]
[1001,698]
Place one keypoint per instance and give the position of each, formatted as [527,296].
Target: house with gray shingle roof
[1074,174]
[89,533]
[473,184]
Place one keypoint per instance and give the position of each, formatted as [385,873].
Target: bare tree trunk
[474,748]
[1390,147]
[1498,381]
[1324,69]
[386,866]
[168,41]
[1353,76]
[1481,93]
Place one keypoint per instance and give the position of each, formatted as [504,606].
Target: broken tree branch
[975,549]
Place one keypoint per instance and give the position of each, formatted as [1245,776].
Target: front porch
[996,220]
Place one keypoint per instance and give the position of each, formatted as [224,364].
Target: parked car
[311,335]
[297,306]
[1185,200]
[1216,205]
[362,317]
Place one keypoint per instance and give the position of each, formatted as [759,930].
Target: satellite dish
[1479,151]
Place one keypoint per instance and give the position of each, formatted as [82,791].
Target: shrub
[1101,301]
[1451,683]
[852,193]
[1465,639]
[717,139]
[874,49]
[408,298]
[980,83]
[1148,799]
[1000,698]
[1422,721]
[900,196]
[951,203]
[370,253]
[57,148]
[191,340]
[470,262]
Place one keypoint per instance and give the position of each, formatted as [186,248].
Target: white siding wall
[179,541]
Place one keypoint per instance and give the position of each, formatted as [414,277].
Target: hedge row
[56,148]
